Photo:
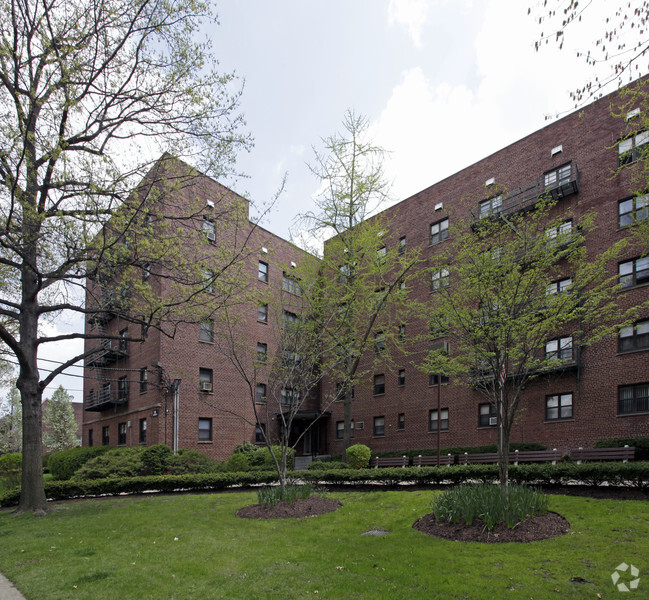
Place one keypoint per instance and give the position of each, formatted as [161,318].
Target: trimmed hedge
[63,464]
[641,445]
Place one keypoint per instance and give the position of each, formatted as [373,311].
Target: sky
[443,83]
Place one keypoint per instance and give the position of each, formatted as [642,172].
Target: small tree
[520,298]
[362,293]
[11,428]
[60,425]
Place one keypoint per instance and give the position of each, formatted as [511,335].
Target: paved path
[8,590]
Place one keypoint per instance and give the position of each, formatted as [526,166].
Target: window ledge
[205,441]
[633,414]
[634,287]
[437,243]
[636,350]
[381,394]
[379,436]
[487,427]
[205,342]
[551,421]
[435,432]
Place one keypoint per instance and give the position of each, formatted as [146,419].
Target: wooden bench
[484,457]
[624,454]
[523,456]
[431,461]
[398,461]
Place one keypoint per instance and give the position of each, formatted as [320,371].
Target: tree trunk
[504,433]
[347,415]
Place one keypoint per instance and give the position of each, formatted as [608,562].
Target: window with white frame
[633,210]
[440,278]
[557,177]
[559,348]
[262,271]
[633,272]
[559,286]
[291,284]
[262,313]
[633,147]
[209,229]
[439,231]
[490,206]
[559,232]
[634,337]
[487,416]
[558,406]
[207,331]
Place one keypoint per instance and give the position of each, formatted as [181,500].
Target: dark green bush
[154,459]
[321,465]
[358,456]
[245,448]
[641,445]
[238,463]
[190,461]
[116,462]
[9,463]
[63,464]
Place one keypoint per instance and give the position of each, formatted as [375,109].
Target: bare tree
[91,91]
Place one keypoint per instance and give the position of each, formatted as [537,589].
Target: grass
[193,547]
[487,502]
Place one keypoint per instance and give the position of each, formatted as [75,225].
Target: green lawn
[194,547]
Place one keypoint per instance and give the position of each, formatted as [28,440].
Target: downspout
[176,388]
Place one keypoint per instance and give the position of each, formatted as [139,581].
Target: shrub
[238,463]
[271,495]
[10,463]
[641,445]
[358,456]
[63,464]
[245,448]
[190,461]
[321,465]
[154,459]
[262,460]
[487,503]
[116,462]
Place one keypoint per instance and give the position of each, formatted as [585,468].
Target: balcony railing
[108,352]
[104,399]
[564,183]
[108,306]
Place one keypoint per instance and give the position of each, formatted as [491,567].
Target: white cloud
[411,14]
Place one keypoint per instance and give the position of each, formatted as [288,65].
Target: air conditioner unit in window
[360,425]
[493,420]
[206,386]
[211,236]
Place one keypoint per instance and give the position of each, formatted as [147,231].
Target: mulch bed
[307,507]
[540,527]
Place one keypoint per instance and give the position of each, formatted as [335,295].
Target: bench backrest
[398,461]
[624,454]
[426,461]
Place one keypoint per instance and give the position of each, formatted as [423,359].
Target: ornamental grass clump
[270,496]
[487,503]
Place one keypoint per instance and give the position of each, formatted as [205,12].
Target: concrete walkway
[8,591]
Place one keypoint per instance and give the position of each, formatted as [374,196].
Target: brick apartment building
[129,396]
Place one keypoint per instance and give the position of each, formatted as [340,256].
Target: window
[439,279]
[291,285]
[289,396]
[559,349]
[379,384]
[633,337]
[105,437]
[380,254]
[122,344]
[209,229]
[487,416]
[379,298]
[402,333]
[402,245]
[560,231]
[379,342]
[558,406]
[91,441]
[401,421]
[207,331]
[262,352]
[290,318]
[340,392]
[262,272]
[204,429]
[557,177]
[340,430]
[438,231]
[121,434]
[634,272]
[433,421]
[142,431]
[262,313]
[260,393]
[205,380]
[260,433]
[491,206]
[631,149]
[146,272]
[122,389]
[144,377]
[633,399]
[433,379]
[379,426]
[401,378]
[208,280]
[632,210]
[290,358]
[559,286]
[345,273]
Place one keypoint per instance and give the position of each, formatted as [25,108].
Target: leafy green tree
[58,418]
[11,428]
[362,297]
[90,91]
[520,298]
